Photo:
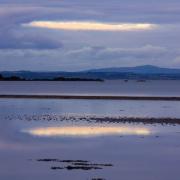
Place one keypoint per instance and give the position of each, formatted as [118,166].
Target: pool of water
[35,148]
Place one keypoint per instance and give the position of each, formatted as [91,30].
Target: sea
[71,139]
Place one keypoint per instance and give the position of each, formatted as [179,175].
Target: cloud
[108,53]
[85,58]
[28,40]
[96,39]
[91,26]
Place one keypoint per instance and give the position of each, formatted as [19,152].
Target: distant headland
[146,72]
[16,78]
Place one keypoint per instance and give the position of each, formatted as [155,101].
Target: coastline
[98,118]
[90,97]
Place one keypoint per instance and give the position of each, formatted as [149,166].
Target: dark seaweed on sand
[65,161]
[96,118]
[91,164]
[75,164]
[82,167]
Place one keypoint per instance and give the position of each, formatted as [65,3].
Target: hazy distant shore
[103,97]
[17,78]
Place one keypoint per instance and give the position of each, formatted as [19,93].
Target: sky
[73,35]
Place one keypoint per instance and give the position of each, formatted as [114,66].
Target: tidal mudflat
[64,139]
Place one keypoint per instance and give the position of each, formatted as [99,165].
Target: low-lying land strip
[96,118]
[103,97]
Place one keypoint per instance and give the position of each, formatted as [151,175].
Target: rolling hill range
[138,72]
[146,69]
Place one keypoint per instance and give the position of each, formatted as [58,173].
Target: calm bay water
[117,87]
[30,145]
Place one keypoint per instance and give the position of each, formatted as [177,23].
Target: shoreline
[89,97]
[98,118]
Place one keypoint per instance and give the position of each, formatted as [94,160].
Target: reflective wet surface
[108,87]
[34,147]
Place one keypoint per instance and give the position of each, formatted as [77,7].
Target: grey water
[108,87]
[135,150]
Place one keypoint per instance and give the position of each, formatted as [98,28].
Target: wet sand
[96,118]
[95,97]
[83,139]
[75,164]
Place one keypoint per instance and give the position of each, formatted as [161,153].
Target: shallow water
[126,108]
[135,151]
[113,87]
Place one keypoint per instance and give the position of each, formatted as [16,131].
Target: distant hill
[149,69]
[138,72]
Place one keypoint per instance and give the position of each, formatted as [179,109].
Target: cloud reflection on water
[86,131]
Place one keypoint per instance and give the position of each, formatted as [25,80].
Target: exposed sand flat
[96,118]
[106,97]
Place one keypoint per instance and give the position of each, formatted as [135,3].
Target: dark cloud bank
[33,48]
